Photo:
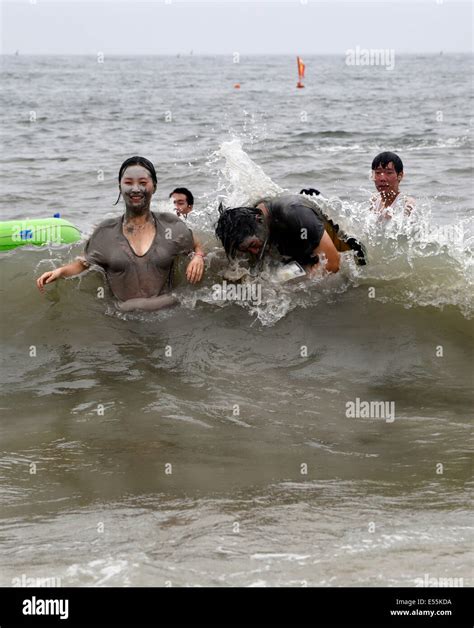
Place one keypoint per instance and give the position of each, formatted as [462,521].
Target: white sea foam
[412,260]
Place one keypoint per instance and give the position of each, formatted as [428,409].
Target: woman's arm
[74,268]
[195,269]
[149,304]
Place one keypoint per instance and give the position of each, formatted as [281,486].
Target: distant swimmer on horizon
[387,173]
[183,202]
[289,223]
[136,250]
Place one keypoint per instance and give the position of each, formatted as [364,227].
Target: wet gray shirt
[134,276]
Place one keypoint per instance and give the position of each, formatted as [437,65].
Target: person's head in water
[183,201]
[242,229]
[137,184]
[387,173]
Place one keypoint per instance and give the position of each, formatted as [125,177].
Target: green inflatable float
[37,231]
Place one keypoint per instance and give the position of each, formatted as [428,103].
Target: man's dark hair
[383,159]
[136,160]
[187,194]
[234,225]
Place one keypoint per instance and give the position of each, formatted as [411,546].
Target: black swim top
[295,229]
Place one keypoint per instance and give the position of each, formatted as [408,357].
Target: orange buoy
[237,86]
[301,69]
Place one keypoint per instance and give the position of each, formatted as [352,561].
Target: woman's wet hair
[136,160]
[383,159]
[234,225]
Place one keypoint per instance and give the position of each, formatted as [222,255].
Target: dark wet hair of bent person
[234,225]
[136,160]
[383,159]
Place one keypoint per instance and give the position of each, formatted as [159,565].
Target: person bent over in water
[387,173]
[289,223]
[136,250]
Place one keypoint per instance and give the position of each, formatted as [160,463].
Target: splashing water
[243,180]
[412,260]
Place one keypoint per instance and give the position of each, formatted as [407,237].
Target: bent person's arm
[327,247]
[74,268]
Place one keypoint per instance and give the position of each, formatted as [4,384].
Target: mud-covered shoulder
[108,223]
[168,217]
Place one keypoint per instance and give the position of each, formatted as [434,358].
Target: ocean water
[212,444]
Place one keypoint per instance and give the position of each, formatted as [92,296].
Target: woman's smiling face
[137,188]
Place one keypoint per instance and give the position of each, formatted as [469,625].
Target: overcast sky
[224,27]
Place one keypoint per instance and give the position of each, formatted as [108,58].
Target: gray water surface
[207,445]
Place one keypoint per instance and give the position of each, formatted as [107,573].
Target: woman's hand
[48,277]
[195,269]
